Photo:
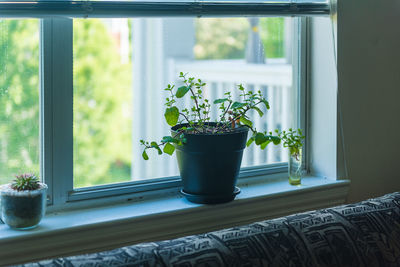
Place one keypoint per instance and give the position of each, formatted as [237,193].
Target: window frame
[56,119]
[56,107]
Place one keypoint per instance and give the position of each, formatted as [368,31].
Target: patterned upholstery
[363,234]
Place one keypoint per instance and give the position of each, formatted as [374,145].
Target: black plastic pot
[209,165]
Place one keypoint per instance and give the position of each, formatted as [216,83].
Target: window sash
[127,9]
[56,108]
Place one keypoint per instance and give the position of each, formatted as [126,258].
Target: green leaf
[220,100]
[260,138]
[276,140]
[169,149]
[155,145]
[181,92]
[265,103]
[259,111]
[169,139]
[172,115]
[245,121]
[264,145]
[250,141]
[237,105]
[144,155]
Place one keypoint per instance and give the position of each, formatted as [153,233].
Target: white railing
[273,80]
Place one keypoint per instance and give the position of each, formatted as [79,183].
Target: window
[19,97]
[101,92]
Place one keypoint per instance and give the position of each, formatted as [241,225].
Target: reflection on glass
[19,98]
[122,66]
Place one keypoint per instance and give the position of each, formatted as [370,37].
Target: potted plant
[209,153]
[23,202]
[293,140]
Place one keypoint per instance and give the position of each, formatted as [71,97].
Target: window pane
[19,98]
[121,67]
[102,101]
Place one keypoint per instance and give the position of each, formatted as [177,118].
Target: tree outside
[226,38]
[102,105]
[19,97]
[272,32]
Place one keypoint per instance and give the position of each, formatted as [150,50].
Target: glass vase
[295,167]
[22,209]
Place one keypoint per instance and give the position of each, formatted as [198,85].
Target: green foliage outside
[221,38]
[226,38]
[102,104]
[272,33]
[19,98]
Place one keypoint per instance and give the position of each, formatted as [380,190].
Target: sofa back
[362,234]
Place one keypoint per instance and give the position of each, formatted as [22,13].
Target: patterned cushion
[363,234]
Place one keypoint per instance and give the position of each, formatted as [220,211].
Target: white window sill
[101,228]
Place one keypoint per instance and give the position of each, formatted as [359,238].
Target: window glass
[19,98]
[102,101]
[121,67]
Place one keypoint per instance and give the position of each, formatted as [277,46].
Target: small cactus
[26,181]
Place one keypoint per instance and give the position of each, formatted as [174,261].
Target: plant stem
[163,143]
[226,110]
[195,100]
[186,118]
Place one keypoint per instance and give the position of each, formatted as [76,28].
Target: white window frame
[56,108]
[56,80]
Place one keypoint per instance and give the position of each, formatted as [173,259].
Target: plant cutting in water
[196,119]
[293,140]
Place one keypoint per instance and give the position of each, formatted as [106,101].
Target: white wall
[369,87]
